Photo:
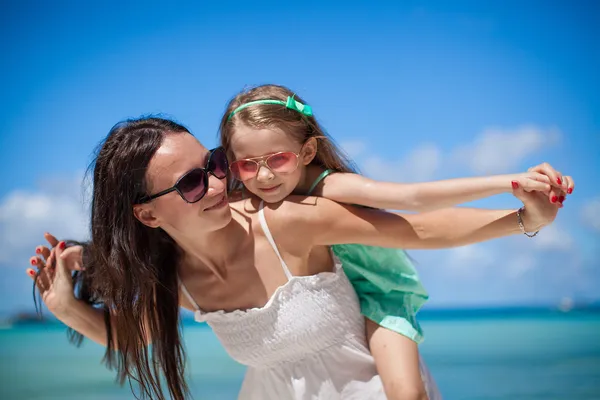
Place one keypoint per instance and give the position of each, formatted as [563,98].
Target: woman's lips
[220,204]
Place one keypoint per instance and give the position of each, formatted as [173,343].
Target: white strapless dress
[307,343]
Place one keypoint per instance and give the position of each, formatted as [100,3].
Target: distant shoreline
[427,314]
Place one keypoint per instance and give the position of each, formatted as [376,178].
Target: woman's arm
[87,320]
[357,189]
[325,222]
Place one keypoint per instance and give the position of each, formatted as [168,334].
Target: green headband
[291,103]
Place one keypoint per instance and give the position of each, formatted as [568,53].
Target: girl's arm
[324,222]
[357,189]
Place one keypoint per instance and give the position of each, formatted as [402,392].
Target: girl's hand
[545,179]
[538,211]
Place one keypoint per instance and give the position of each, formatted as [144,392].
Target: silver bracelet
[520,221]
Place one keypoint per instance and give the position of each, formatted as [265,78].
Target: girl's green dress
[386,282]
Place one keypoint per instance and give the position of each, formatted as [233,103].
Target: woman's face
[179,154]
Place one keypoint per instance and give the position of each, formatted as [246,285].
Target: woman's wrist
[66,308]
[527,225]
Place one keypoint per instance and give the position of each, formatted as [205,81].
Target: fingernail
[515,184]
[31,272]
[33,262]
[561,199]
[38,251]
[559,181]
[554,199]
[570,190]
[62,245]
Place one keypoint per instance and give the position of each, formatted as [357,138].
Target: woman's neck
[213,250]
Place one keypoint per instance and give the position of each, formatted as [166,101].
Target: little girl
[277,148]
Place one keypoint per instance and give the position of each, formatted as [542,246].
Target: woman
[162,225]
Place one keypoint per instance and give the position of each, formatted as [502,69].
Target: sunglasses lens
[243,170]
[193,185]
[283,162]
[217,164]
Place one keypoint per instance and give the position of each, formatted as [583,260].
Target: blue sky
[414,91]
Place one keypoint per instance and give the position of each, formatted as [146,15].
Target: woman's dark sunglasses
[193,185]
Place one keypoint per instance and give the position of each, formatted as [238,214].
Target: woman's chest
[249,281]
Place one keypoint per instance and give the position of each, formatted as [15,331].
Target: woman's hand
[53,278]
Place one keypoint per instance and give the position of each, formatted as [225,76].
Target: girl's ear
[309,151]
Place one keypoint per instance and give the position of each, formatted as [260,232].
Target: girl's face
[178,155]
[270,163]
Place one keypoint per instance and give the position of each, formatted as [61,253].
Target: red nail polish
[38,251]
[561,199]
[31,272]
[62,245]
[559,181]
[33,262]
[554,199]
[570,190]
[515,184]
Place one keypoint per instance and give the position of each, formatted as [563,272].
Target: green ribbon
[290,103]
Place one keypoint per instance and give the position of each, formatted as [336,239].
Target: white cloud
[353,148]
[509,270]
[493,151]
[512,257]
[498,150]
[468,262]
[520,264]
[553,238]
[26,215]
[422,163]
[475,255]
[418,166]
[590,214]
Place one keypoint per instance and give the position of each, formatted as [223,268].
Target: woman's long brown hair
[131,269]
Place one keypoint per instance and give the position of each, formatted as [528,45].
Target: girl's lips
[272,188]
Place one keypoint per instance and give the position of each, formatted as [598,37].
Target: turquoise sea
[502,355]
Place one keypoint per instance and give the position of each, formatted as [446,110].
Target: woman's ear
[145,214]
[309,151]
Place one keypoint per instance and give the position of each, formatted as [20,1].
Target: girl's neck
[311,172]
